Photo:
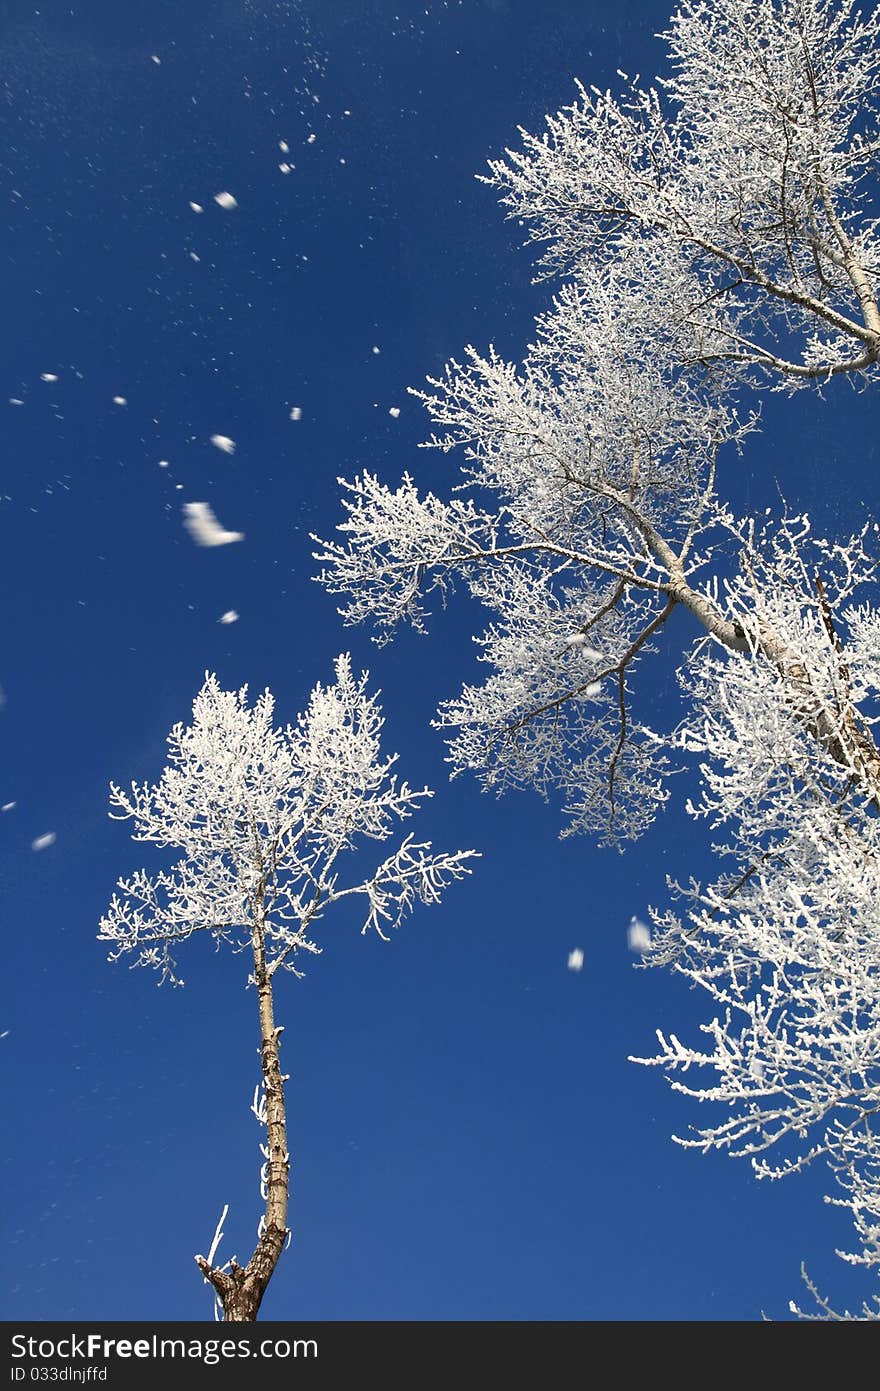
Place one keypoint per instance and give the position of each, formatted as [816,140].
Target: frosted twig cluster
[265,818]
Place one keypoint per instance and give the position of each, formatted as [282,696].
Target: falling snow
[203,527]
[638,935]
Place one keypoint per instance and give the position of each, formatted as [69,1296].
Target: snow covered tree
[264,819]
[715,237]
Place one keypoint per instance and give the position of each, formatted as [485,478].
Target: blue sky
[468,1140]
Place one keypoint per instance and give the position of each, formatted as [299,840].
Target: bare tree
[264,819]
[715,237]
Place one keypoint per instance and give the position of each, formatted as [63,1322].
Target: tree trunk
[241,1288]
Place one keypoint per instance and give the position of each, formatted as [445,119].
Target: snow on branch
[263,817]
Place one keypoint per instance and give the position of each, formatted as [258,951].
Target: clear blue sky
[468,1140]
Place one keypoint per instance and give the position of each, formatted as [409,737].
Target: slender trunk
[241,1288]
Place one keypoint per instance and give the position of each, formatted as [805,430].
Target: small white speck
[43,842]
[15,401]
[594,688]
[296,413]
[285,168]
[48,377]
[226,200]
[376,350]
[230,616]
[120,401]
[576,960]
[163,463]
[194,257]
[5,1033]
[223,442]
[155,58]
[284,147]
[7,806]
[394,411]
[311,140]
[197,207]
